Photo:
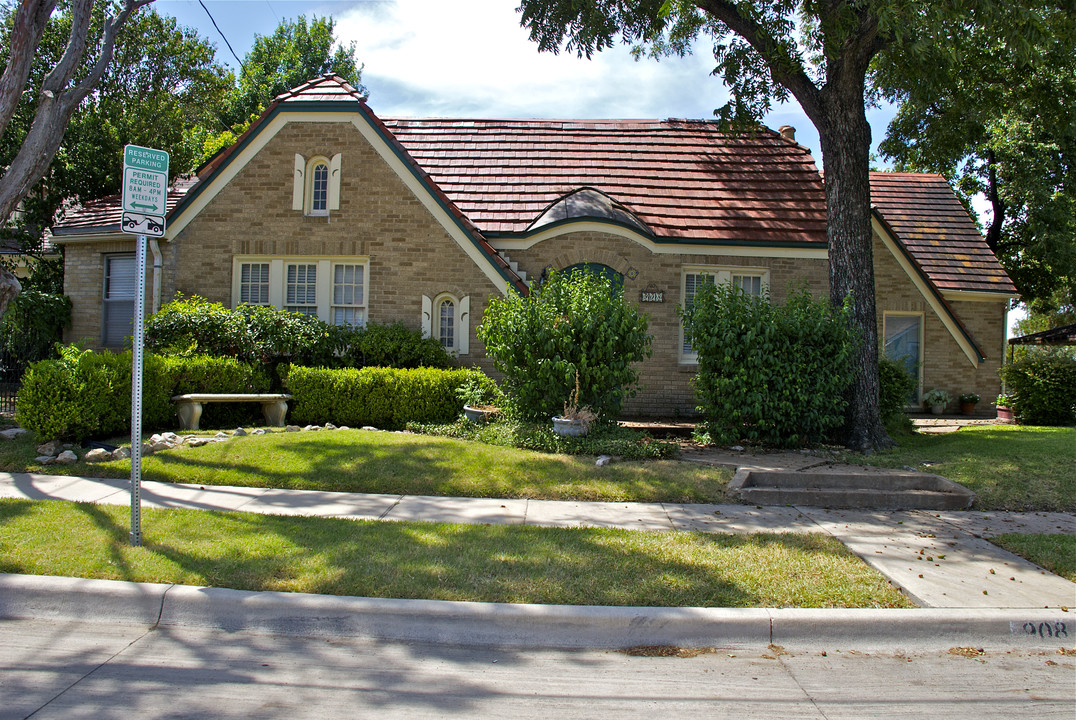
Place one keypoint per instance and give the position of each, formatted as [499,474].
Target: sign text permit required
[145,180]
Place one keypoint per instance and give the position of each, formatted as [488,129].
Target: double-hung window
[329,288]
[118,300]
[751,281]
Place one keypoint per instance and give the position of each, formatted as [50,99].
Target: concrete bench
[274,406]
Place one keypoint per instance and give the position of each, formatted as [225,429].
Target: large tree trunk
[845,136]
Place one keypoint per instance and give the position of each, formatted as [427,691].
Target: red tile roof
[934,227]
[687,180]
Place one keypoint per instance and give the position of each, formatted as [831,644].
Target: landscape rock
[603,460]
[12,433]
[222,435]
[52,447]
[121,453]
[239,432]
[261,431]
[330,426]
[311,428]
[369,427]
[736,448]
[343,427]
[67,457]
[96,455]
[292,428]
[45,459]
[199,442]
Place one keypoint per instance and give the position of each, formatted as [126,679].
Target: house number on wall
[652,295]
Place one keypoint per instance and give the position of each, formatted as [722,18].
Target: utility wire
[241,67]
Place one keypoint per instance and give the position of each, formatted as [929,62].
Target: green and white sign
[145,190]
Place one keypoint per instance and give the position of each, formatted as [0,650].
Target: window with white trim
[446,327]
[330,289]
[447,318]
[316,185]
[750,281]
[118,300]
[903,333]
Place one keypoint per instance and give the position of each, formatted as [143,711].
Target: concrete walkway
[939,559]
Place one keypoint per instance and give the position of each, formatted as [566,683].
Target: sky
[472,59]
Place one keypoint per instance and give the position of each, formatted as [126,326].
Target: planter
[481,414]
[967,408]
[937,409]
[1005,414]
[570,427]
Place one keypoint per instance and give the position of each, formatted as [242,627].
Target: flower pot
[570,427]
[481,414]
[967,408]
[1005,414]
[937,409]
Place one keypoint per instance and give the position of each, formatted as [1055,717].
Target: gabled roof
[685,179]
[935,229]
[104,214]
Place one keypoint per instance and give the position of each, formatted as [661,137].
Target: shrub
[205,374]
[767,373]
[1042,389]
[395,346]
[382,397]
[895,388]
[86,394]
[572,323]
[32,325]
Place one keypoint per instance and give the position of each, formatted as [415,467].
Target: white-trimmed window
[447,318]
[118,300]
[331,289]
[349,293]
[903,333]
[316,185]
[750,280]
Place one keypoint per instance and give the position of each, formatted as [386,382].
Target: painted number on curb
[1040,629]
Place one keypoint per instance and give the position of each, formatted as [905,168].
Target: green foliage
[478,390]
[572,324]
[205,374]
[394,345]
[768,373]
[87,394]
[1042,389]
[381,397]
[31,326]
[603,438]
[895,386]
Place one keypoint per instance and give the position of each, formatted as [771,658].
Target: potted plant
[479,400]
[576,419]
[967,403]
[1004,405]
[936,400]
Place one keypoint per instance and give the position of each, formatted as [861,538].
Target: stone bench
[274,406]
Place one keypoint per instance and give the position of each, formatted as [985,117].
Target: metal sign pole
[136,392]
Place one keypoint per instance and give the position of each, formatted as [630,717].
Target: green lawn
[517,564]
[399,463]
[1055,552]
[1009,467]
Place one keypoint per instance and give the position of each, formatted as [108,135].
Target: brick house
[322,207]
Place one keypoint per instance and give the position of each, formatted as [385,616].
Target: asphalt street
[87,670]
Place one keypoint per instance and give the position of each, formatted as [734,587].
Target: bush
[86,394]
[895,389]
[572,326]
[382,397]
[767,373]
[395,346]
[32,325]
[1042,389]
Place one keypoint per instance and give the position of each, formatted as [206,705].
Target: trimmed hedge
[87,394]
[1043,389]
[382,397]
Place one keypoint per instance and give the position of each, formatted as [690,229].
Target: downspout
[155,248]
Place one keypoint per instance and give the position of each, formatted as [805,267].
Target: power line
[212,20]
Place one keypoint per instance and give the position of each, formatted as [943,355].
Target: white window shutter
[463,332]
[299,183]
[334,182]
[427,317]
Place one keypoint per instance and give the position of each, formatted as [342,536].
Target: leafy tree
[297,51]
[1006,130]
[820,53]
[85,57]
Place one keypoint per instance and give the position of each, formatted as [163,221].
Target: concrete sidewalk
[939,559]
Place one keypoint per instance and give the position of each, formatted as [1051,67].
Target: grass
[1008,467]
[1055,552]
[516,564]
[398,463]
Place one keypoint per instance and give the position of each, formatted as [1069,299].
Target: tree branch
[785,69]
[29,27]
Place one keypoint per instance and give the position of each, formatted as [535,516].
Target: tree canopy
[1007,130]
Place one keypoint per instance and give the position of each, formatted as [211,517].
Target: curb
[527,626]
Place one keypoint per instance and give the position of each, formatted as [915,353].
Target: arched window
[446,322]
[317,190]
